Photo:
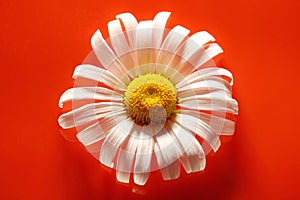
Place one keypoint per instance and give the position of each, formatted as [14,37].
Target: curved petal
[88,113]
[193,44]
[91,134]
[120,44]
[187,52]
[144,47]
[165,150]
[203,74]
[201,57]
[107,57]
[220,125]
[167,154]
[126,155]
[130,23]
[183,137]
[96,93]
[214,101]
[143,156]
[113,141]
[193,157]
[104,53]
[197,60]
[211,84]
[117,38]
[144,35]
[169,46]
[172,171]
[174,38]
[98,74]
[190,47]
[200,128]
[159,23]
[112,120]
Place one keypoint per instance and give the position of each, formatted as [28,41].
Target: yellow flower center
[150,97]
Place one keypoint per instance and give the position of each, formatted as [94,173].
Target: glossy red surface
[41,43]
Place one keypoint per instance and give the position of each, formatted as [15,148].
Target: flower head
[157,100]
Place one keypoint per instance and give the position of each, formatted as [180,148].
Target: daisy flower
[156,100]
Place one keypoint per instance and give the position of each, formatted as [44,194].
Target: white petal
[82,93]
[193,158]
[194,44]
[141,178]
[111,120]
[122,176]
[130,24]
[227,128]
[117,38]
[208,85]
[169,46]
[165,150]
[220,125]
[200,128]
[98,74]
[201,57]
[189,48]
[172,171]
[183,137]
[88,113]
[218,95]
[168,151]
[126,155]
[113,141]
[143,156]
[104,53]
[144,37]
[174,38]
[192,49]
[107,57]
[214,101]
[202,74]
[144,48]
[159,23]
[120,45]
[91,134]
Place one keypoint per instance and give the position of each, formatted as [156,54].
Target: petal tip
[123,177]
[140,178]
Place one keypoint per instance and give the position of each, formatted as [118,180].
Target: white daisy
[157,100]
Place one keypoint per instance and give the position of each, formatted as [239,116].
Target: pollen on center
[150,98]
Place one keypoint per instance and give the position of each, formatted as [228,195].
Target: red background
[41,43]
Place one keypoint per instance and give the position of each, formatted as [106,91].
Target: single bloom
[154,101]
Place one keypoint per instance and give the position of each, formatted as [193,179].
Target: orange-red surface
[41,43]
